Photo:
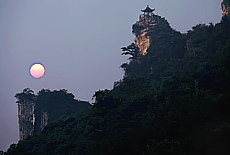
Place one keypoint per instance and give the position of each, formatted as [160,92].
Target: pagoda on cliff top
[147,14]
[142,27]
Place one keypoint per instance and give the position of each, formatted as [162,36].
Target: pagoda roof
[148,9]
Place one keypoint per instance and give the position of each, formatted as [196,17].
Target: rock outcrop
[37,111]
[143,41]
[44,119]
[146,20]
[225,5]
[25,119]
[26,104]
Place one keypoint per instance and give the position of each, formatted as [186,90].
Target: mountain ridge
[172,100]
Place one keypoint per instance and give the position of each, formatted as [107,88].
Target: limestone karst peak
[146,20]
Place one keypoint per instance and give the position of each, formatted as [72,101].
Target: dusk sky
[78,42]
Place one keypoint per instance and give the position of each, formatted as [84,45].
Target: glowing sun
[37,70]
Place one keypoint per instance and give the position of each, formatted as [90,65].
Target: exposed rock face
[146,20]
[26,121]
[143,41]
[44,120]
[37,111]
[225,5]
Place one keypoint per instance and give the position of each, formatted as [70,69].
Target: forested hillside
[174,100]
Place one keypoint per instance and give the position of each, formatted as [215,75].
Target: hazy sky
[78,41]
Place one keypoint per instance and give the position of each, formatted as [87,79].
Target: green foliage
[136,29]
[132,50]
[166,45]
[175,101]
[59,105]
[27,95]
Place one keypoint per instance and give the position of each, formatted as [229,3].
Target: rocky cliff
[44,119]
[225,5]
[146,21]
[25,119]
[35,111]
[143,41]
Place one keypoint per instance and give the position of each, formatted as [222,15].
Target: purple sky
[78,42]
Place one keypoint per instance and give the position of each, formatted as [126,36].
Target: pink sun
[37,70]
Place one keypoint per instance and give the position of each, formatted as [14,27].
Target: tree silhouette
[26,95]
[132,50]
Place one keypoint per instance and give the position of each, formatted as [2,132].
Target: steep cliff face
[225,5]
[44,119]
[37,111]
[26,103]
[26,121]
[156,40]
[143,41]
[141,28]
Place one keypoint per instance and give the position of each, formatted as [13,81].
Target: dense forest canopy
[173,100]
